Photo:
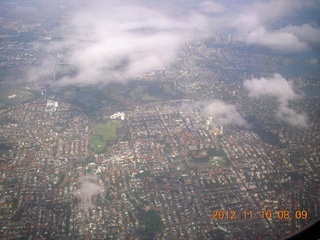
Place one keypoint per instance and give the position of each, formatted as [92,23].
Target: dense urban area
[153,158]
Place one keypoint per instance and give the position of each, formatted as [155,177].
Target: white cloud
[281,41]
[255,25]
[306,32]
[275,86]
[211,7]
[282,90]
[272,10]
[260,13]
[118,42]
[290,116]
[88,188]
[114,41]
[222,113]
[42,71]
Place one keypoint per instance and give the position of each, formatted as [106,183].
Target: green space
[108,130]
[90,100]
[152,92]
[140,93]
[148,98]
[168,88]
[95,102]
[217,158]
[217,162]
[98,144]
[137,93]
[214,152]
[151,224]
[104,134]
[13,96]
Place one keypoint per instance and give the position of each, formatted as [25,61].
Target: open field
[14,96]
[97,103]
[212,163]
[153,92]
[137,93]
[217,162]
[98,144]
[108,130]
[140,93]
[168,88]
[104,133]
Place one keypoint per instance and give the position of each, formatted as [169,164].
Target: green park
[105,134]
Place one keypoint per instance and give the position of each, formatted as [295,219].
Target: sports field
[104,133]
[108,130]
[217,162]
[98,144]
[14,96]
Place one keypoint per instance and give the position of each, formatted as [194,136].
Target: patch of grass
[98,144]
[217,162]
[14,96]
[151,224]
[137,93]
[147,97]
[167,87]
[153,92]
[141,93]
[104,133]
[108,130]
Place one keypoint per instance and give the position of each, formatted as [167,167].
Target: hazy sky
[256,24]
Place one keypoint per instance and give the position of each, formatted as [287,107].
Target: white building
[51,106]
[118,115]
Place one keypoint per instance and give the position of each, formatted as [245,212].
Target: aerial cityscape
[147,120]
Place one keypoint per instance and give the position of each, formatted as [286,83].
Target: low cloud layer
[112,43]
[306,32]
[276,40]
[211,7]
[88,188]
[290,116]
[281,89]
[275,86]
[222,113]
[256,23]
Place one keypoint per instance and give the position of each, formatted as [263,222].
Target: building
[198,154]
[51,106]
[118,115]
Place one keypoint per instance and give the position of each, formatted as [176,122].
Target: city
[193,150]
